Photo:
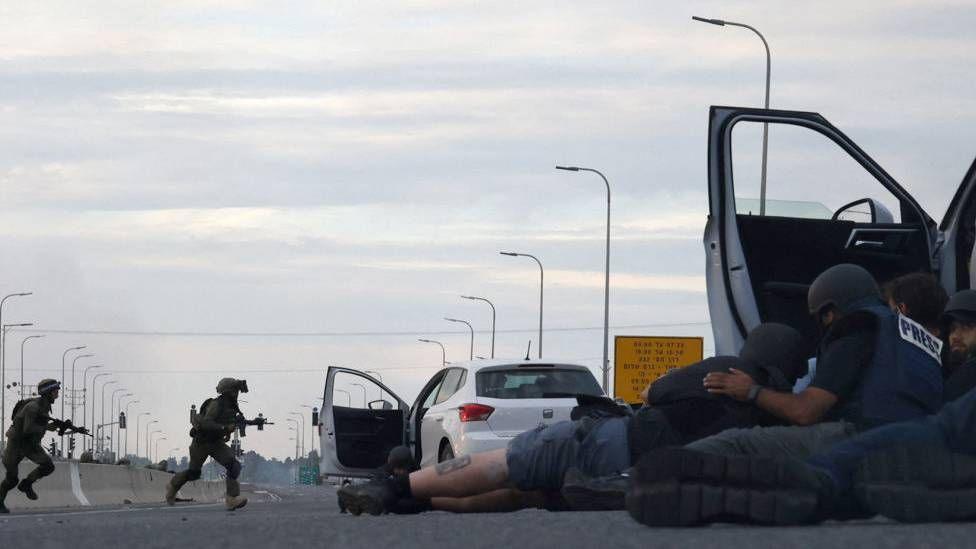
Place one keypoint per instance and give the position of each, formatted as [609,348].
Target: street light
[471,350]
[84,395]
[64,398]
[541,285]
[301,417]
[3,367]
[118,427]
[137,430]
[606,288]
[101,427]
[73,392]
[377,374]
[125,449]
[315,410]
[722,23]
[443,353]
[363,387]
[148,440]
[91,443]
[157,445]
[296,429]
[492,305]
[3,373]
[22,397]
[111,428]
[348,396]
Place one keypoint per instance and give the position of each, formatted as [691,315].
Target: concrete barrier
[76,484]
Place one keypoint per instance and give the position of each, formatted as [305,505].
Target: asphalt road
[308,517]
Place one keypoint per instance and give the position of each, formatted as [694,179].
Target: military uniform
[24,441]
[212,428]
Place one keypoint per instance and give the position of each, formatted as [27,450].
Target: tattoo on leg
[450,466]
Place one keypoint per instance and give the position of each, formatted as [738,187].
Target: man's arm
[805,408]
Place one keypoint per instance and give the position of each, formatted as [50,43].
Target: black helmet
[779,350]
[47,385]
[229,384]
[961,307]
[843,286]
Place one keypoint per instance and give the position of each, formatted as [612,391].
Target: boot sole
[745,471]
[672,503]
[236,507]
[357,504]
[581,498]
[31,495]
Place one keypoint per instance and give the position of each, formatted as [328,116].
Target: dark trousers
[952,428]
[14,453]
[221,453]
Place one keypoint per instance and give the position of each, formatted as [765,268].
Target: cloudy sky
[203,189]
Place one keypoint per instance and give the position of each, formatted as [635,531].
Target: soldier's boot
[27,487]
[234,500]
[5,487]
[174,485]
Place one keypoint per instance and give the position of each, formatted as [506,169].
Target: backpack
[20,404]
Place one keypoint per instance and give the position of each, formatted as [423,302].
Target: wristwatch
[753,393]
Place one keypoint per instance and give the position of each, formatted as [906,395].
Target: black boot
[376,497]
[918,484]
[27,487]
[679,487]
[583,493]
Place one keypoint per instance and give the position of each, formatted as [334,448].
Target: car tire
[446,453]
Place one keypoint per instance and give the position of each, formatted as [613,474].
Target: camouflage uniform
[24,441]
[212,428]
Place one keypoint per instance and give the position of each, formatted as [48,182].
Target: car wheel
[447,453]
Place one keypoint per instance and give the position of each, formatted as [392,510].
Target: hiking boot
[375,497]
[679,487]
[918,484]
[234,503]
[27,487]
[583,493]
[171,492]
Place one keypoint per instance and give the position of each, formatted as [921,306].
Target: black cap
[961,307]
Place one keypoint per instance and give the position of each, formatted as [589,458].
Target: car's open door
[958,228]
[357,439]
[844,208]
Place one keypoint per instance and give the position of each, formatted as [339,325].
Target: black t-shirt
[960,381]
[844,357]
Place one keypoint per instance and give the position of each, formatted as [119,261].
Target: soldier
[29,423]
[213,426]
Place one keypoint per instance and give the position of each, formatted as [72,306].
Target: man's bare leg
[498,501]
[460,477]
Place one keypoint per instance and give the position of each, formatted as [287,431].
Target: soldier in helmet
[213,426]
[29,423]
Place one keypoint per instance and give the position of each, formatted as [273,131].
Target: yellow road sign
[639,360]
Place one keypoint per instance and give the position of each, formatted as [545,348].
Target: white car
[465,408]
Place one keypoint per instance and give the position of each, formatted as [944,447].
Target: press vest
[904,378]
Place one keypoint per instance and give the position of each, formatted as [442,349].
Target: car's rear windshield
[535,383]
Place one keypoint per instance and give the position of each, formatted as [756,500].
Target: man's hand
[735,384]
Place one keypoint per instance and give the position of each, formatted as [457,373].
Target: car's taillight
[474,412]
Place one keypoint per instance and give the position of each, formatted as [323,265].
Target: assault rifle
[243,422]
[65,426]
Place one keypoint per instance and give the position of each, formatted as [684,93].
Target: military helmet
[47,385]
[777,348]
[961,306]
[843,286]
[229,384]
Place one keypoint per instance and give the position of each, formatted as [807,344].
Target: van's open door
[357,439]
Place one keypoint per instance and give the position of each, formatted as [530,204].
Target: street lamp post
[64,383]
[3,373]
[125,448]
[111,428]
[301,417]
[91,443]
[375,373]
[722,23]
[149,439]
[314,410]
[74,394]
[137,429]
[606,288]
[102,424]
[118,427]
[541,286]
[3,368]
[84,398]
[443,353]
[492,305]
[348,396]
[157,445]
[296,429]
[363,387]
[468,324]
[22,396]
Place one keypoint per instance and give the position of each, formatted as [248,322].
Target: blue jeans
[952,428]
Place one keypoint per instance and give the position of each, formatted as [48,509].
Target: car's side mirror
[865,210]
[380,405]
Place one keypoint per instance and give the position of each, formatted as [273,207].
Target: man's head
[960,323]
[779,351]
[49,389]
[920,297]
[840,290]
[231,386]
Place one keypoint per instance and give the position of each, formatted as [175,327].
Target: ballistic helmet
[47,385]
[961,307]
[842,286]
[229,384]
[777,349]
